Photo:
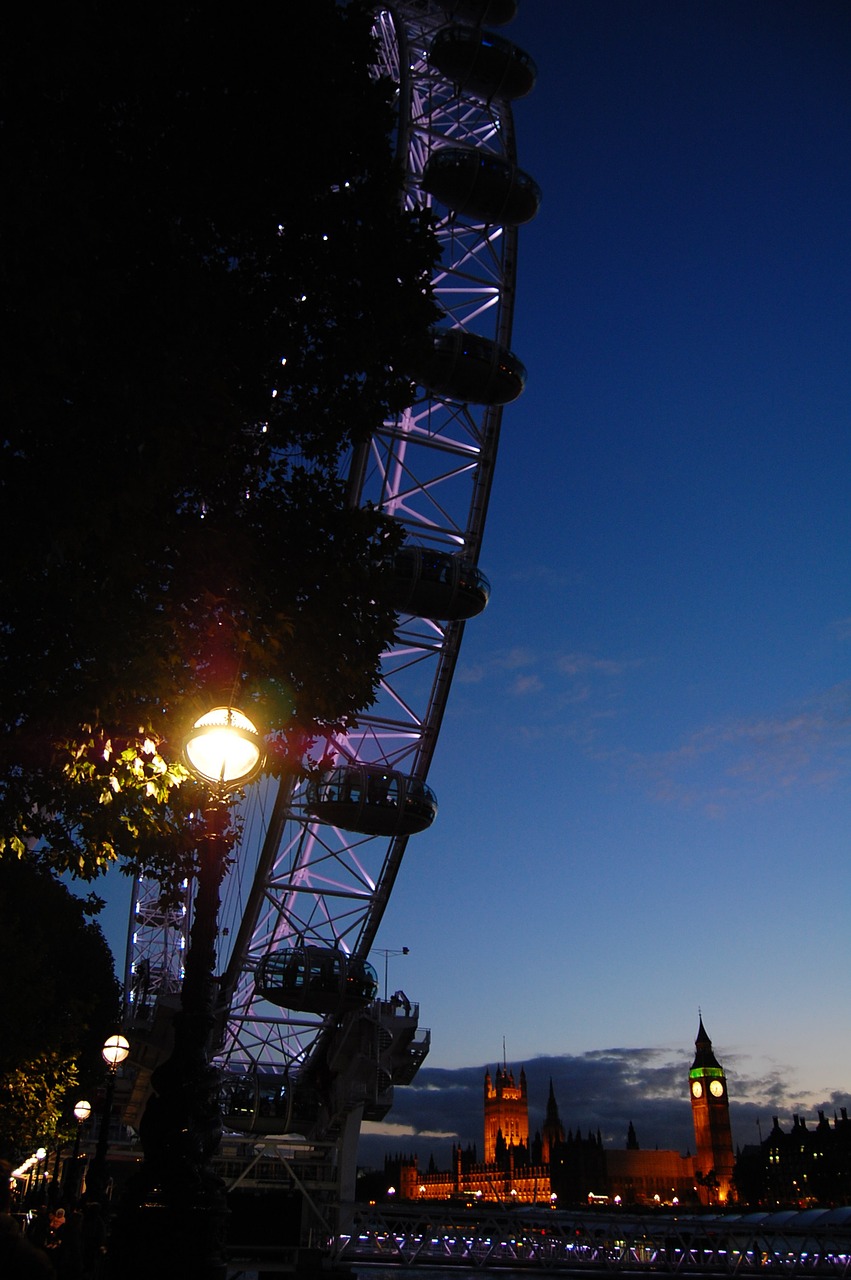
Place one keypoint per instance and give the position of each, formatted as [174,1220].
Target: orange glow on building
[506,1111]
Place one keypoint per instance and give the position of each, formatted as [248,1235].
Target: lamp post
[53,1196]
[176,1207]
[82,1111]
[114,1052]
[387,953]
[41,1174]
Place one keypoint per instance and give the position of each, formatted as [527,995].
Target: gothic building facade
[565,1167]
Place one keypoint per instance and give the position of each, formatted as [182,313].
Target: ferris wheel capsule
[438,584]
[481,186]
[316,979]
[372,800]
[483,64]
[471,369]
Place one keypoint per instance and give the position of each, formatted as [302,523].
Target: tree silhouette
[212,295]
[59,999]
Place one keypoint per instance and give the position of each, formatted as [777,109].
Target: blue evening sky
[644,770]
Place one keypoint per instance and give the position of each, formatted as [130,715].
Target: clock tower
[710,1109]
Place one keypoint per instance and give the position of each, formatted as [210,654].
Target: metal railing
[436,1235]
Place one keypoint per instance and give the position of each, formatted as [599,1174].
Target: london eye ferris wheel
[306,1040]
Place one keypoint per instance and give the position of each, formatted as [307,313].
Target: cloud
[526,684]
[384,1129]
[602,1090]
[564,678]
[496,664]
[580,697]
[807,745]
[574,664]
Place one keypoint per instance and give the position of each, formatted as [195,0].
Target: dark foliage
[59,1000]
[212,294]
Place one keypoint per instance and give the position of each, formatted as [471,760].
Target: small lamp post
[82,1111]
[387,952]
[41,1174]
[176,1206]
[114,1052]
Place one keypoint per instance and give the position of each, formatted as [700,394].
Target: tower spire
[552,1134]
[704,1057]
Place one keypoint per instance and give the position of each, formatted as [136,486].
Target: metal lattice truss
[489,1237]
[156,944]
[430,468]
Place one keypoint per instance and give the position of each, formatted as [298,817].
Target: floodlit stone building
[558,1167]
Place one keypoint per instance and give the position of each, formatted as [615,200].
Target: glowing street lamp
[115,1051]
[82,1111]
[176,1206]
[223,749]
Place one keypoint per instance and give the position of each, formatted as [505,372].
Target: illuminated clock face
[697,1089]
[716,1088]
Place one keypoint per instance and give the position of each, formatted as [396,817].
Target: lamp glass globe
[223,747]
[115,1050]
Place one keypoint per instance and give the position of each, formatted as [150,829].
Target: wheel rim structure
[298,881]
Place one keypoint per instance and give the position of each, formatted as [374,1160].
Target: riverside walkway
[788,1242]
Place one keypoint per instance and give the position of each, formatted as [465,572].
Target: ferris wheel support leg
[347,1168]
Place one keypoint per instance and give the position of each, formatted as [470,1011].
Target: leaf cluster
[212,295]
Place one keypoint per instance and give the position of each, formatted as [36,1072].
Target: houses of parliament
[567,1169]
